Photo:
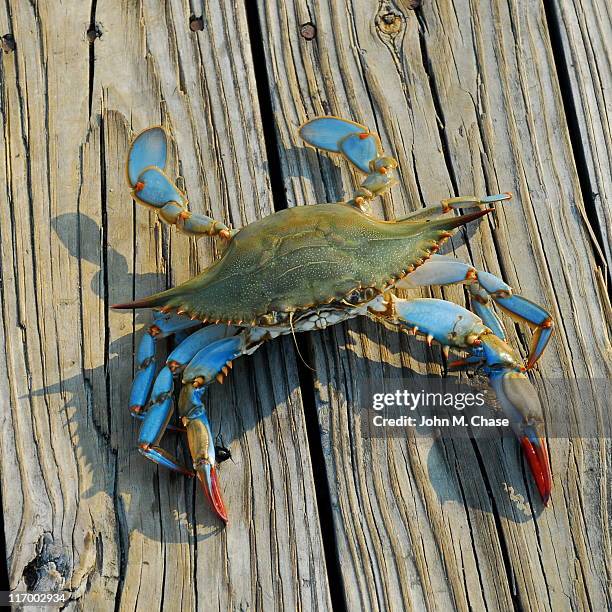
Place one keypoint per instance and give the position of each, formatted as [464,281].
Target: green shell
[302,257]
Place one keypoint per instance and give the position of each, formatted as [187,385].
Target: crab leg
[443,270]
[162,326]
[183,352]
[199,340]
[358,146]
[157,413]
[205,366]
[535,316]
[155,422]
[145,372]
[453,325]
[449,204]
[152,187]
[212,362]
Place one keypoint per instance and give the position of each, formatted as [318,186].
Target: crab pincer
[454,326]
[201,446]
[519,400]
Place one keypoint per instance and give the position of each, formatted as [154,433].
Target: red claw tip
[213,494]
[537,457]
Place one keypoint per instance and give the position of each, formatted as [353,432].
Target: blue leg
[152,187]
[155,422]
[162,326]
[486,288]
[358,146]
[145,363]
[156,414]
[453,325]
[212,362]
[197,341]
[522,310]
[206,365]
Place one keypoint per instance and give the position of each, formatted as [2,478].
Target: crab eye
[222,454]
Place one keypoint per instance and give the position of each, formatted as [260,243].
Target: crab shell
[303,257]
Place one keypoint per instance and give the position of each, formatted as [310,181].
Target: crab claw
[201,446]
[521,405]
[209,480]
[536,453]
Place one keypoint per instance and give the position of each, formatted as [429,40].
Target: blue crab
[309,267]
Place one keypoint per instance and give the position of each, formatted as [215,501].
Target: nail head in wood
[308,31]
[196,24]
[93,33]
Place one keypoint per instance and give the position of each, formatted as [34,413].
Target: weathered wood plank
[465,95]
[76,492]
[585,30]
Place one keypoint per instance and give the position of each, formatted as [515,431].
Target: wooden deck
[471,97]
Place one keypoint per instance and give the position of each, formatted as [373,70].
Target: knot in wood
[390,23]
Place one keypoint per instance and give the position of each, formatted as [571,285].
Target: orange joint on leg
[139,186]
[154,331]
[144,446]
[225,234]
[382,170]
[185,214]
[198,382]
[471,275]
[364,135]
[173,366]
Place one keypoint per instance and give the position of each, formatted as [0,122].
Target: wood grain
[470,99]
[84,511]
[585,33]
[466,96]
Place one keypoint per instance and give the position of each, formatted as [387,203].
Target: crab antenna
[297,347]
